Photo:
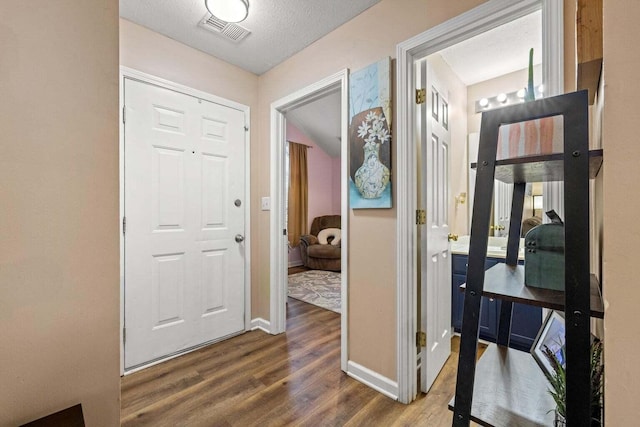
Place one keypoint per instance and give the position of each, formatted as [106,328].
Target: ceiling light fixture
[228,10]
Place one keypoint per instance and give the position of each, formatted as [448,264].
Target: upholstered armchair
[320,249]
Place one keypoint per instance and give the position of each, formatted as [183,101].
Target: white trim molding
[378,382]
[278,261]
[488,15]
[129,73]
[262,324]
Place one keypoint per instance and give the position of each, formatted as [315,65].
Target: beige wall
[621,207]
[370,36]
[59,287]
[147,51]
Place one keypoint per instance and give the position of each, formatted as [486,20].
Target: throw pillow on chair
[330,236]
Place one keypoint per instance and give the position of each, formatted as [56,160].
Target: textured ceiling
[279,28]
[500,51]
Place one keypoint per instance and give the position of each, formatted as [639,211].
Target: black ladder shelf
[506,387]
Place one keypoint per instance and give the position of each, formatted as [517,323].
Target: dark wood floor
[257,379]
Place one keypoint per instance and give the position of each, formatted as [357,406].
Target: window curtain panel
[298,193]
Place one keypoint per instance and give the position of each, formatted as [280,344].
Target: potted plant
[559,386]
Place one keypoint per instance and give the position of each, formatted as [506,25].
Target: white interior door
[436,254]
[184,206]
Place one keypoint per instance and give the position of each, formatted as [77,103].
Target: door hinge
[284,232]
[124,114]
[246,128]
[421,96]
[124,335]
[421,216]
[124,225]
[421,339]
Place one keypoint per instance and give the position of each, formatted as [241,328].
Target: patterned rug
[321,288]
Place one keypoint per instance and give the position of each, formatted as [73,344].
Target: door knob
[453,237]
[239,238]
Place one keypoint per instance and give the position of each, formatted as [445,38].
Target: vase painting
[370,137]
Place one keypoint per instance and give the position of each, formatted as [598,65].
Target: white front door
[435,251]
[184,169]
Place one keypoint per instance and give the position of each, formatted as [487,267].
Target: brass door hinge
[421,216]
[421,339]
[421,96]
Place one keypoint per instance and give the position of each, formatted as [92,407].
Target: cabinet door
[526,321]
[489,319]
[457,300]
[459,264]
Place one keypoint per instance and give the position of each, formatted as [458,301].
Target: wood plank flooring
[292,379]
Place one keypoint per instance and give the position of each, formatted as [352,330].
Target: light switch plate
[266,203]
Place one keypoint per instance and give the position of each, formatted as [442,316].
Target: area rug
[321,288]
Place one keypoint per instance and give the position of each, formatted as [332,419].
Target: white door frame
[480,19]
[132,74]
[278,263]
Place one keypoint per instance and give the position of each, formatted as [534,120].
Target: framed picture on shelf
[551,336]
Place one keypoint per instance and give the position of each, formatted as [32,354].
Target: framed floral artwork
[370,118]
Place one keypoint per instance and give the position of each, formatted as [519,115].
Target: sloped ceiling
[320,122]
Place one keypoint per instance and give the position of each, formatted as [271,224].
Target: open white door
[184,173]
[435,252]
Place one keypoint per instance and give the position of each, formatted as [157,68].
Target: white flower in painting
[363,129]
[377,127]
[372,129]
[383,135]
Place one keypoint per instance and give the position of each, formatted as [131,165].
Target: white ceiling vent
[233,32]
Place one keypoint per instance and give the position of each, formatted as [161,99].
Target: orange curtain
[298,193]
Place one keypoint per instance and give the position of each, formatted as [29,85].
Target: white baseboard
[260,323]
[297,263]
[373,379]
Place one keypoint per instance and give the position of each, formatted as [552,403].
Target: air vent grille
[229,31]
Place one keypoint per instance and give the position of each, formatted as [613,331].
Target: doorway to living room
[313,202]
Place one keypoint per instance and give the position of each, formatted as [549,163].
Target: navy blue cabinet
[526,319]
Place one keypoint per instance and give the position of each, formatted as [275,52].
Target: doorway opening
[281,111]
[410,54]
[312,169]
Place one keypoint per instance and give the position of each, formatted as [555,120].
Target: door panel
[435,252]
[184,271]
